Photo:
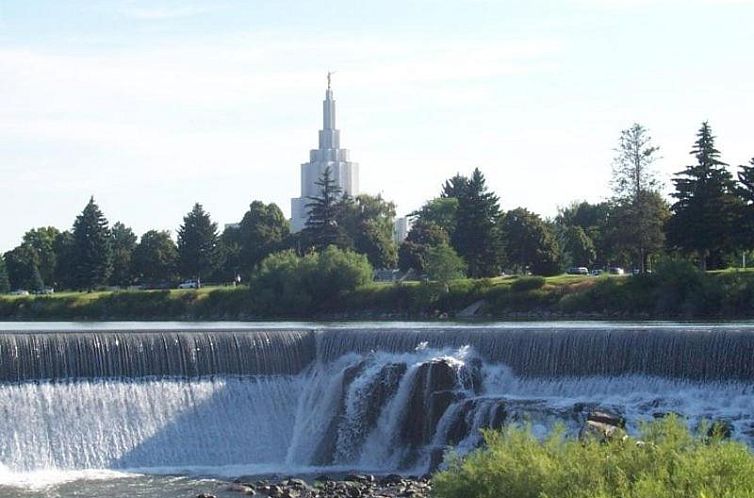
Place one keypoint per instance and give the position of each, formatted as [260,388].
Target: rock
[205,495]
[238,487]
[602,431]
[606,417]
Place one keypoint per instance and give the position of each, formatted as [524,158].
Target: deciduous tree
[155,258]
[124,243]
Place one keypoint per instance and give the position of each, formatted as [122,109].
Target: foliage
[124,243]
[594,220]
[706,204]
[530,243]
[262,231]
[668,463]
[155,258]
[367,221]
[441,211]
[64,248]
[197,244]
[4,281]
[578,248]
[476,237]
[92,248]
[288,284]
[444,264]
[22,269]
[745,219]
[420,239]
[322,228]
[638,228]
[528,283]
[41,241]
[640,212]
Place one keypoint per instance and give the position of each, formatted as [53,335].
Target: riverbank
[677,293]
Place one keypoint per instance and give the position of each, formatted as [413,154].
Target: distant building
[344,172]
[401,227]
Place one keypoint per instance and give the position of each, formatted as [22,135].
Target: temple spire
[329,108]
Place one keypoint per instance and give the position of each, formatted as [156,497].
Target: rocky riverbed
[348,486]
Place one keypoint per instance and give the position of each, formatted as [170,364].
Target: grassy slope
[728,294]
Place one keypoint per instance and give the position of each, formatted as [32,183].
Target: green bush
[666,462]
[287,284]
[528,283]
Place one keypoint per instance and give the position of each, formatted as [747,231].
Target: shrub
[285,283]
[668,463]
[528,283]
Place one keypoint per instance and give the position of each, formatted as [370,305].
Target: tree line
[462,231]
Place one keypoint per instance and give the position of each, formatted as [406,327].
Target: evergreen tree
[530,243]
[322,227]
[476,237]
[197,244]
[155,259]
[124,243]
[706,204]
[92,248]
[639,211]
[745,218]
[4,281]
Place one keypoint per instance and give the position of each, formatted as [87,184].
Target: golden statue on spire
[329,79]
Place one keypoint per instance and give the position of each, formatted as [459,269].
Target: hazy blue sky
[153,105]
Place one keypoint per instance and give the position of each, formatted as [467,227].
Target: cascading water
[375,399]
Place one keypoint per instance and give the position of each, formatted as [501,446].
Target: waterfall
[375,399]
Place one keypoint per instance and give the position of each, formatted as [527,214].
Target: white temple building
[344,172]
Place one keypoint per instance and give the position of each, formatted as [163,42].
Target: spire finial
[329,79]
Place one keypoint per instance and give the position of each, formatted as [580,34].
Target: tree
[41,241]
[322,229]
[22,269]
[594,220]
[420,239]
[92,248]
[444,264]
[442,211]
[578,248]
[262,231]
[63,246]
[197,244]
[229,254]
[745,217]
[124,243]
[155,258]
[640,212]
[530,243]
[476,237]
[4,281]
[367,221]
[706,204]
[638,229]
[632,165]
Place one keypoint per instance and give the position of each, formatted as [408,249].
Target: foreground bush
[668,463]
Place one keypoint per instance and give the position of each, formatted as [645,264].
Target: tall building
[329,154]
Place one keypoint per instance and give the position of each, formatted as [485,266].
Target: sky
[151,106]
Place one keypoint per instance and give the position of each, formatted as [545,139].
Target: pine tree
[476,237]
[636,200]
[706,204]
[745,218]
[322,227]
[92,248]
[197,244]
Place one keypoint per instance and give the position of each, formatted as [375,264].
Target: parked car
[189,284]
[614,270]
[597,272]
[578,270]
[19,292]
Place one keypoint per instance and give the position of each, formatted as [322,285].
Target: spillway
[373,398]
